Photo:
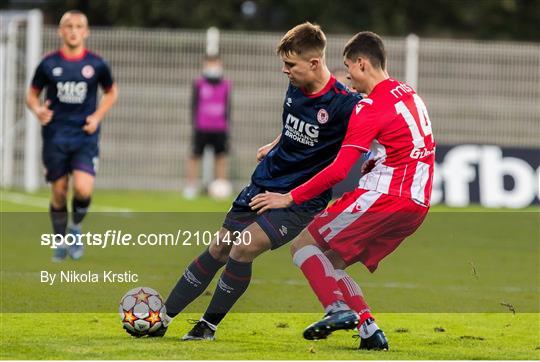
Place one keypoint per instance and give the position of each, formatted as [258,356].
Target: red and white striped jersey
[393,123]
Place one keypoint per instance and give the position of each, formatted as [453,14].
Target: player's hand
[263,151]
[92,124]
[44,114]
[270,200]
[367,166]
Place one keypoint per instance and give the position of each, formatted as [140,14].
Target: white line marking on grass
[399,285]
[41,202]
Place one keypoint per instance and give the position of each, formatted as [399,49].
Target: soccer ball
[220,189]
[142,310]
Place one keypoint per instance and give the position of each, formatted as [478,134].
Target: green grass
[453,274]
[271,336]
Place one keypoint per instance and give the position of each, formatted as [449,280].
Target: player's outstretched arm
[42,111]
[106,103]
[325,179]
[263,151]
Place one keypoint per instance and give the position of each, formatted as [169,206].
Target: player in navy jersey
[70,119]
[316,109]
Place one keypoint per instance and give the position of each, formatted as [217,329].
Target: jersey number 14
[421,128]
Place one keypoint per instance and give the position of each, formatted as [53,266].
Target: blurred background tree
[482,19]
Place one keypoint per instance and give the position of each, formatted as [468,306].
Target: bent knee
[82,191]
[219,251]
[303,239]
[336,260]
[294,247]
[59,194]
[247,252]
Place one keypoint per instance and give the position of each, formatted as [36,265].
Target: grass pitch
[447,293]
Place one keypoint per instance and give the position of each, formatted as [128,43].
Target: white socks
[367,328]
[336,307]
[166,320]
[212,326]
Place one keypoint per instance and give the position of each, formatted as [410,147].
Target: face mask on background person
[213,73]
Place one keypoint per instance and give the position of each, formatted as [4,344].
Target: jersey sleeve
[39,81]
[328,177]
[349,106]
[105,77]
[363,128]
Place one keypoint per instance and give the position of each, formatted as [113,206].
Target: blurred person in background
[70,120]
[211,115]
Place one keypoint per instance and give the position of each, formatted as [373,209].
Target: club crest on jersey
[57,71]
[88,71]
[322,116]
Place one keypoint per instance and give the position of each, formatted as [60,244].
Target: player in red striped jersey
[389,204]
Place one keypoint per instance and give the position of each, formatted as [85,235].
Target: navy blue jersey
[71,87]
[314,127]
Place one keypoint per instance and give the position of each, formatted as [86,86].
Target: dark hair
[366,44]
[305,40]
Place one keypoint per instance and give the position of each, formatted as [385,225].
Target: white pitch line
[41,202]
[400,285]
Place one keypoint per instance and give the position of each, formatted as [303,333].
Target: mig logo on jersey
[301,131]
[71,92]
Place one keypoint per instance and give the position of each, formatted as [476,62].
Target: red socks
[330,285]
[320,274]
[353,295]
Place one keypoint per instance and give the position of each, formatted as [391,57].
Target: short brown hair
[304,40]
[366,44]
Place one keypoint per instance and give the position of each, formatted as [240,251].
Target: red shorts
[366,225]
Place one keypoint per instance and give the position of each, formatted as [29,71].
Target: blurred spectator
[210,113]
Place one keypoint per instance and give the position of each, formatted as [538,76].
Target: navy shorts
[281,225]
[61,158]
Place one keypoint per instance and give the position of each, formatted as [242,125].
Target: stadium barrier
[477,92]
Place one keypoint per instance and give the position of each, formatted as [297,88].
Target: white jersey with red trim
[393,123]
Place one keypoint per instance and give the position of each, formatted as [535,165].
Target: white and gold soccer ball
[220,189]
[142,310]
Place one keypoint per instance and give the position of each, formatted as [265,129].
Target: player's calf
[251,243]
[198,275]
[219,249]
[59,218]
